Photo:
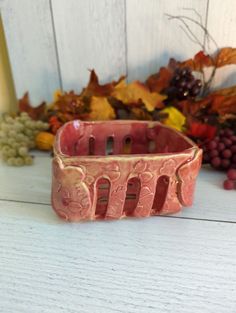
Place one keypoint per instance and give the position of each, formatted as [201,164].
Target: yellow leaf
[136,91]
[101,109]
[175,118]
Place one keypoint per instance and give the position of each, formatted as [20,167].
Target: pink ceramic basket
[114,169]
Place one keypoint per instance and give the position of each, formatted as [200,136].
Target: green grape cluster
[17,138]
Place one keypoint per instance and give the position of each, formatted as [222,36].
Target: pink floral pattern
[168,168]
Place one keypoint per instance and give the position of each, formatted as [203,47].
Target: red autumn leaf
[97,90]
[190,107]
[54,124]
[199,61]
[223,101]
[36,113]
[201,131]
[159,81]
[223,104]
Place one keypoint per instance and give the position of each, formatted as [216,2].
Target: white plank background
[152,39]
[94,37]
[183,263]
[31,45]
[53,43]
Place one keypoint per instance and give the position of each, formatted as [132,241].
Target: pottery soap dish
[114,169]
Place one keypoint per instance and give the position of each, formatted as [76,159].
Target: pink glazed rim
[151,169]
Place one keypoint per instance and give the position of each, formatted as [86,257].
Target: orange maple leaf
[101,109]
[95,89]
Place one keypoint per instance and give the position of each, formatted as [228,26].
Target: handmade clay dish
[114,169]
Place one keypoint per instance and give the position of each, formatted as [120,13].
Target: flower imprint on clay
[112,170]
[145,177]
[168,167]
[89,179]
[140,166]
[65,196]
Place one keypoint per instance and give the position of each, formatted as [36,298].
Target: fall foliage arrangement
[178,95]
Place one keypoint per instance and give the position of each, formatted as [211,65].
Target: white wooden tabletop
[178,264]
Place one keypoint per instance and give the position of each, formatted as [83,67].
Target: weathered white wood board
[31,45]
[90,34]
[152,39]
[29,183]
[33,184]
[133,266]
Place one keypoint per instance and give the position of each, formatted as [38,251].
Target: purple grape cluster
[220,152]
[183,85]
[230,182]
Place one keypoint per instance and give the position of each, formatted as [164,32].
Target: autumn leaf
[101,109]
[224,101]
[191,107]
[229,91]
[225,56]
[224,105]
[135,92]
[201,130]
[221,102]
[199,61]
[95,89]
[175,118]
[36,113]
[159,81]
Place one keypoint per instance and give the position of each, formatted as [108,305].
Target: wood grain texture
[221,23]
[90,34]
[30,41]
[211,200]
[152,39]
[133,266]
[29,183]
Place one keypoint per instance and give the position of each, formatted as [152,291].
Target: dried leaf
[225,56]
[136,91]
[101,109]
[224,105]
[190,107]
[230,91]
[36,113]
[70,106]
[199,61]
[202,131]
[159,81]
[224,101]
[95,89]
